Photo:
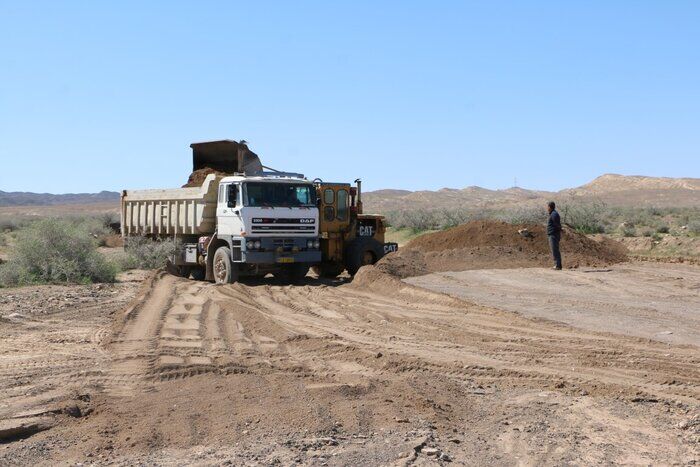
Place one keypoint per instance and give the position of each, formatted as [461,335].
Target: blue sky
[413,95]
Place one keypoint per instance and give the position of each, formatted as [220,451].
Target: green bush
[416,220]
[10,224]
[56,251]
[144,253]
[663,229]
[585,218]
[628,231]
[523,215]
[694,227]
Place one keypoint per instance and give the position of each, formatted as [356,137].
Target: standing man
[554,234]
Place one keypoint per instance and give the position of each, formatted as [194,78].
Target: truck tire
[225,270]
[329,270]
[292,273]
[179,271]
[361,252]
[198,274]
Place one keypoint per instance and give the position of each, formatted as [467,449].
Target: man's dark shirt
[554,224]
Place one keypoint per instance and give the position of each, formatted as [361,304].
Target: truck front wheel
[225,270]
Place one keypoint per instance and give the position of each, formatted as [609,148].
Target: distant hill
[615,190]
[20,198]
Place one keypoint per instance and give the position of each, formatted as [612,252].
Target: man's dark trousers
[554,246]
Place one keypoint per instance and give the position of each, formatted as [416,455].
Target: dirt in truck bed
[492,244]
[197,177]
[374,371]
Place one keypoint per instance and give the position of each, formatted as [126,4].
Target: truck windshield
[279,194]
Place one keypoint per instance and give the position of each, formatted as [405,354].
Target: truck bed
[170,212]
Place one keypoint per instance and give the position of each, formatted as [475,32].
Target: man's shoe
[556,268]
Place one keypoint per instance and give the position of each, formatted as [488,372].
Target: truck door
[228,210]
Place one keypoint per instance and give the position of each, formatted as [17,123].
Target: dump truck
[246,219]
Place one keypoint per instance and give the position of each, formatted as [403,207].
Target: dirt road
[373,372]
[655,301]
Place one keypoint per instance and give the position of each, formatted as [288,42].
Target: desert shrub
[10,224]
[585,218]
[522,215]
[663,229]
[56,251]
[96,227]
[648,233]
[109,218]
[416,220]
[453,217]
[145,253]
[628,230]
[694,227]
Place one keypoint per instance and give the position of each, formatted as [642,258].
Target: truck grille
[286,228]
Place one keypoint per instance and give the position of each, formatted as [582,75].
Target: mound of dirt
[487,244]
[370,278]
[197,177]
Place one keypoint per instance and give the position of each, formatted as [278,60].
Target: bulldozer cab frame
[349,238]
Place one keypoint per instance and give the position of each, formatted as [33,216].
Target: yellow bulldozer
[349,238]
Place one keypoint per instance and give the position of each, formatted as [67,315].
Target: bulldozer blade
[225,156]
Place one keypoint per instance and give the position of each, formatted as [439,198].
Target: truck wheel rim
[220,269]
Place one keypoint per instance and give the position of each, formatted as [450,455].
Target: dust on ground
[636,299]
[486,244]
[375,371]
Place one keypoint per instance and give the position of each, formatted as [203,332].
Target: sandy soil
[373,372]
[653,301]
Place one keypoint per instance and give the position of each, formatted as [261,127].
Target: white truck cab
[269,219]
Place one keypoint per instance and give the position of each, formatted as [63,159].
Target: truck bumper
[273,257]
[281,250]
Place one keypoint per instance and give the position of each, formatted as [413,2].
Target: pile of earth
[197,177]
[487,244]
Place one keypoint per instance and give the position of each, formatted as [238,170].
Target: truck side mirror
[232,195]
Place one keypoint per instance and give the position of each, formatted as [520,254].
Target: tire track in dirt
[185,328]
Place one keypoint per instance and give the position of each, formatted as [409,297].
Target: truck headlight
[256,244]
[309,244]
[317,244]
[249,244]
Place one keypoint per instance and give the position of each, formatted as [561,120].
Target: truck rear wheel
[361,252]
[292,273]
[225,270]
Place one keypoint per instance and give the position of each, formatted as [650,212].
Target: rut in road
[344,333]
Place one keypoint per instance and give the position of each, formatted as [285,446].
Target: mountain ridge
[26,198]
[614,189]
